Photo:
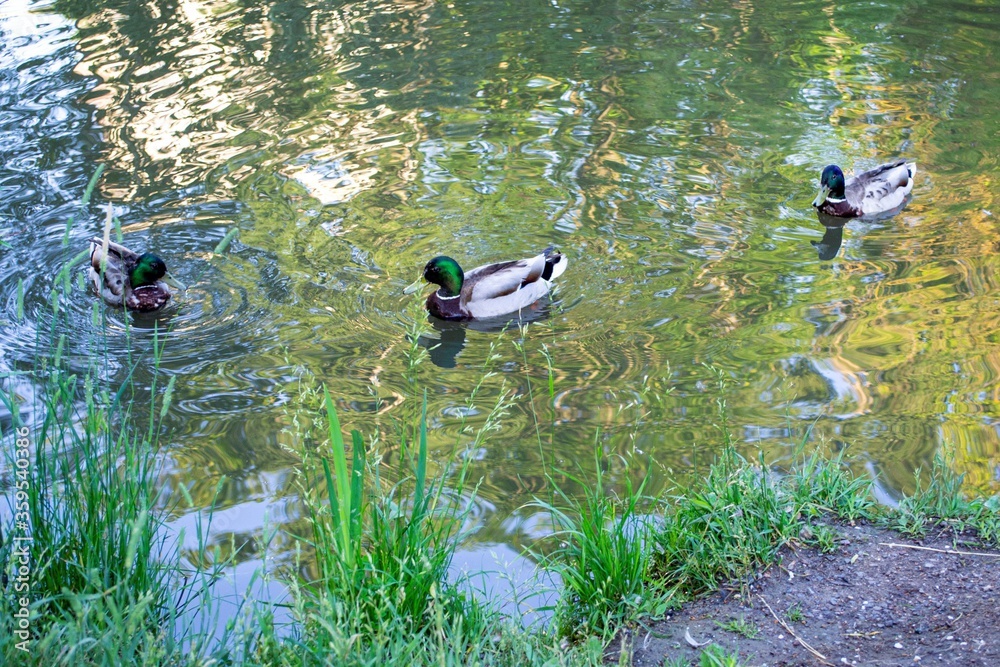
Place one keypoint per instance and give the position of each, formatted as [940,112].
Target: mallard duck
[489,291]
[869,193]
[129,278]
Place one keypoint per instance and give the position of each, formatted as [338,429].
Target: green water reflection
[671,150]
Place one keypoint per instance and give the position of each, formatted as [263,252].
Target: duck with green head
[870,193]
[126,278]
[489,291]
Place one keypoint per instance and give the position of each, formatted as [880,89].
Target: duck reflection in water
[833,237]
[447,340]
[158,320]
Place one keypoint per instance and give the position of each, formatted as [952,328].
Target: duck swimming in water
[869,193]
[493,290]
[128,278]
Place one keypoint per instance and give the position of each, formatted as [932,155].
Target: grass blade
[226,240]
[20,299]
[357,484]
[343,481]
[86,199]
[418,490]
[331,491]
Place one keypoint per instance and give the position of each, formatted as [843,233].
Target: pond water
[670,150]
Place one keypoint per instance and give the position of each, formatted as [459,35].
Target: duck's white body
[505,288]
[883,189]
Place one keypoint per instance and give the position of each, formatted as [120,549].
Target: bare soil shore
[879,599]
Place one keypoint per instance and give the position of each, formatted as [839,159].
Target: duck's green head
[831,185]
[147,270]
[443,271]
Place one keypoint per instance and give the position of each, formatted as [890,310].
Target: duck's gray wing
[496,280]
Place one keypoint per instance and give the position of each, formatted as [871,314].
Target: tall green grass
[101,590]
[106,583]
[825,486]
[383,555]
[605,556]
[383,551]
[723,527]
[623,555]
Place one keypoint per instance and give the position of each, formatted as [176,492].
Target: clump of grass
[514,646]
[383,559]
[383,596]
[825,486]
[714,655]
[821,537]
[676,662]
[727,525]
[794,614]
[732,522]
[605,557]
[102,585]
[741,626]
[739,516]
[940,500]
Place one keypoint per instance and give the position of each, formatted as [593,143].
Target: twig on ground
[940,551]
[805,645]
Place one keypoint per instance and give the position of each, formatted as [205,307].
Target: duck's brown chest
[446,309]
[840,209]
[147,298]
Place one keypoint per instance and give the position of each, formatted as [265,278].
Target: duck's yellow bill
[821,197]
[173,282]
[410,289]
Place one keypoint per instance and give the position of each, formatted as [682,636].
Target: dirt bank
[868,603]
